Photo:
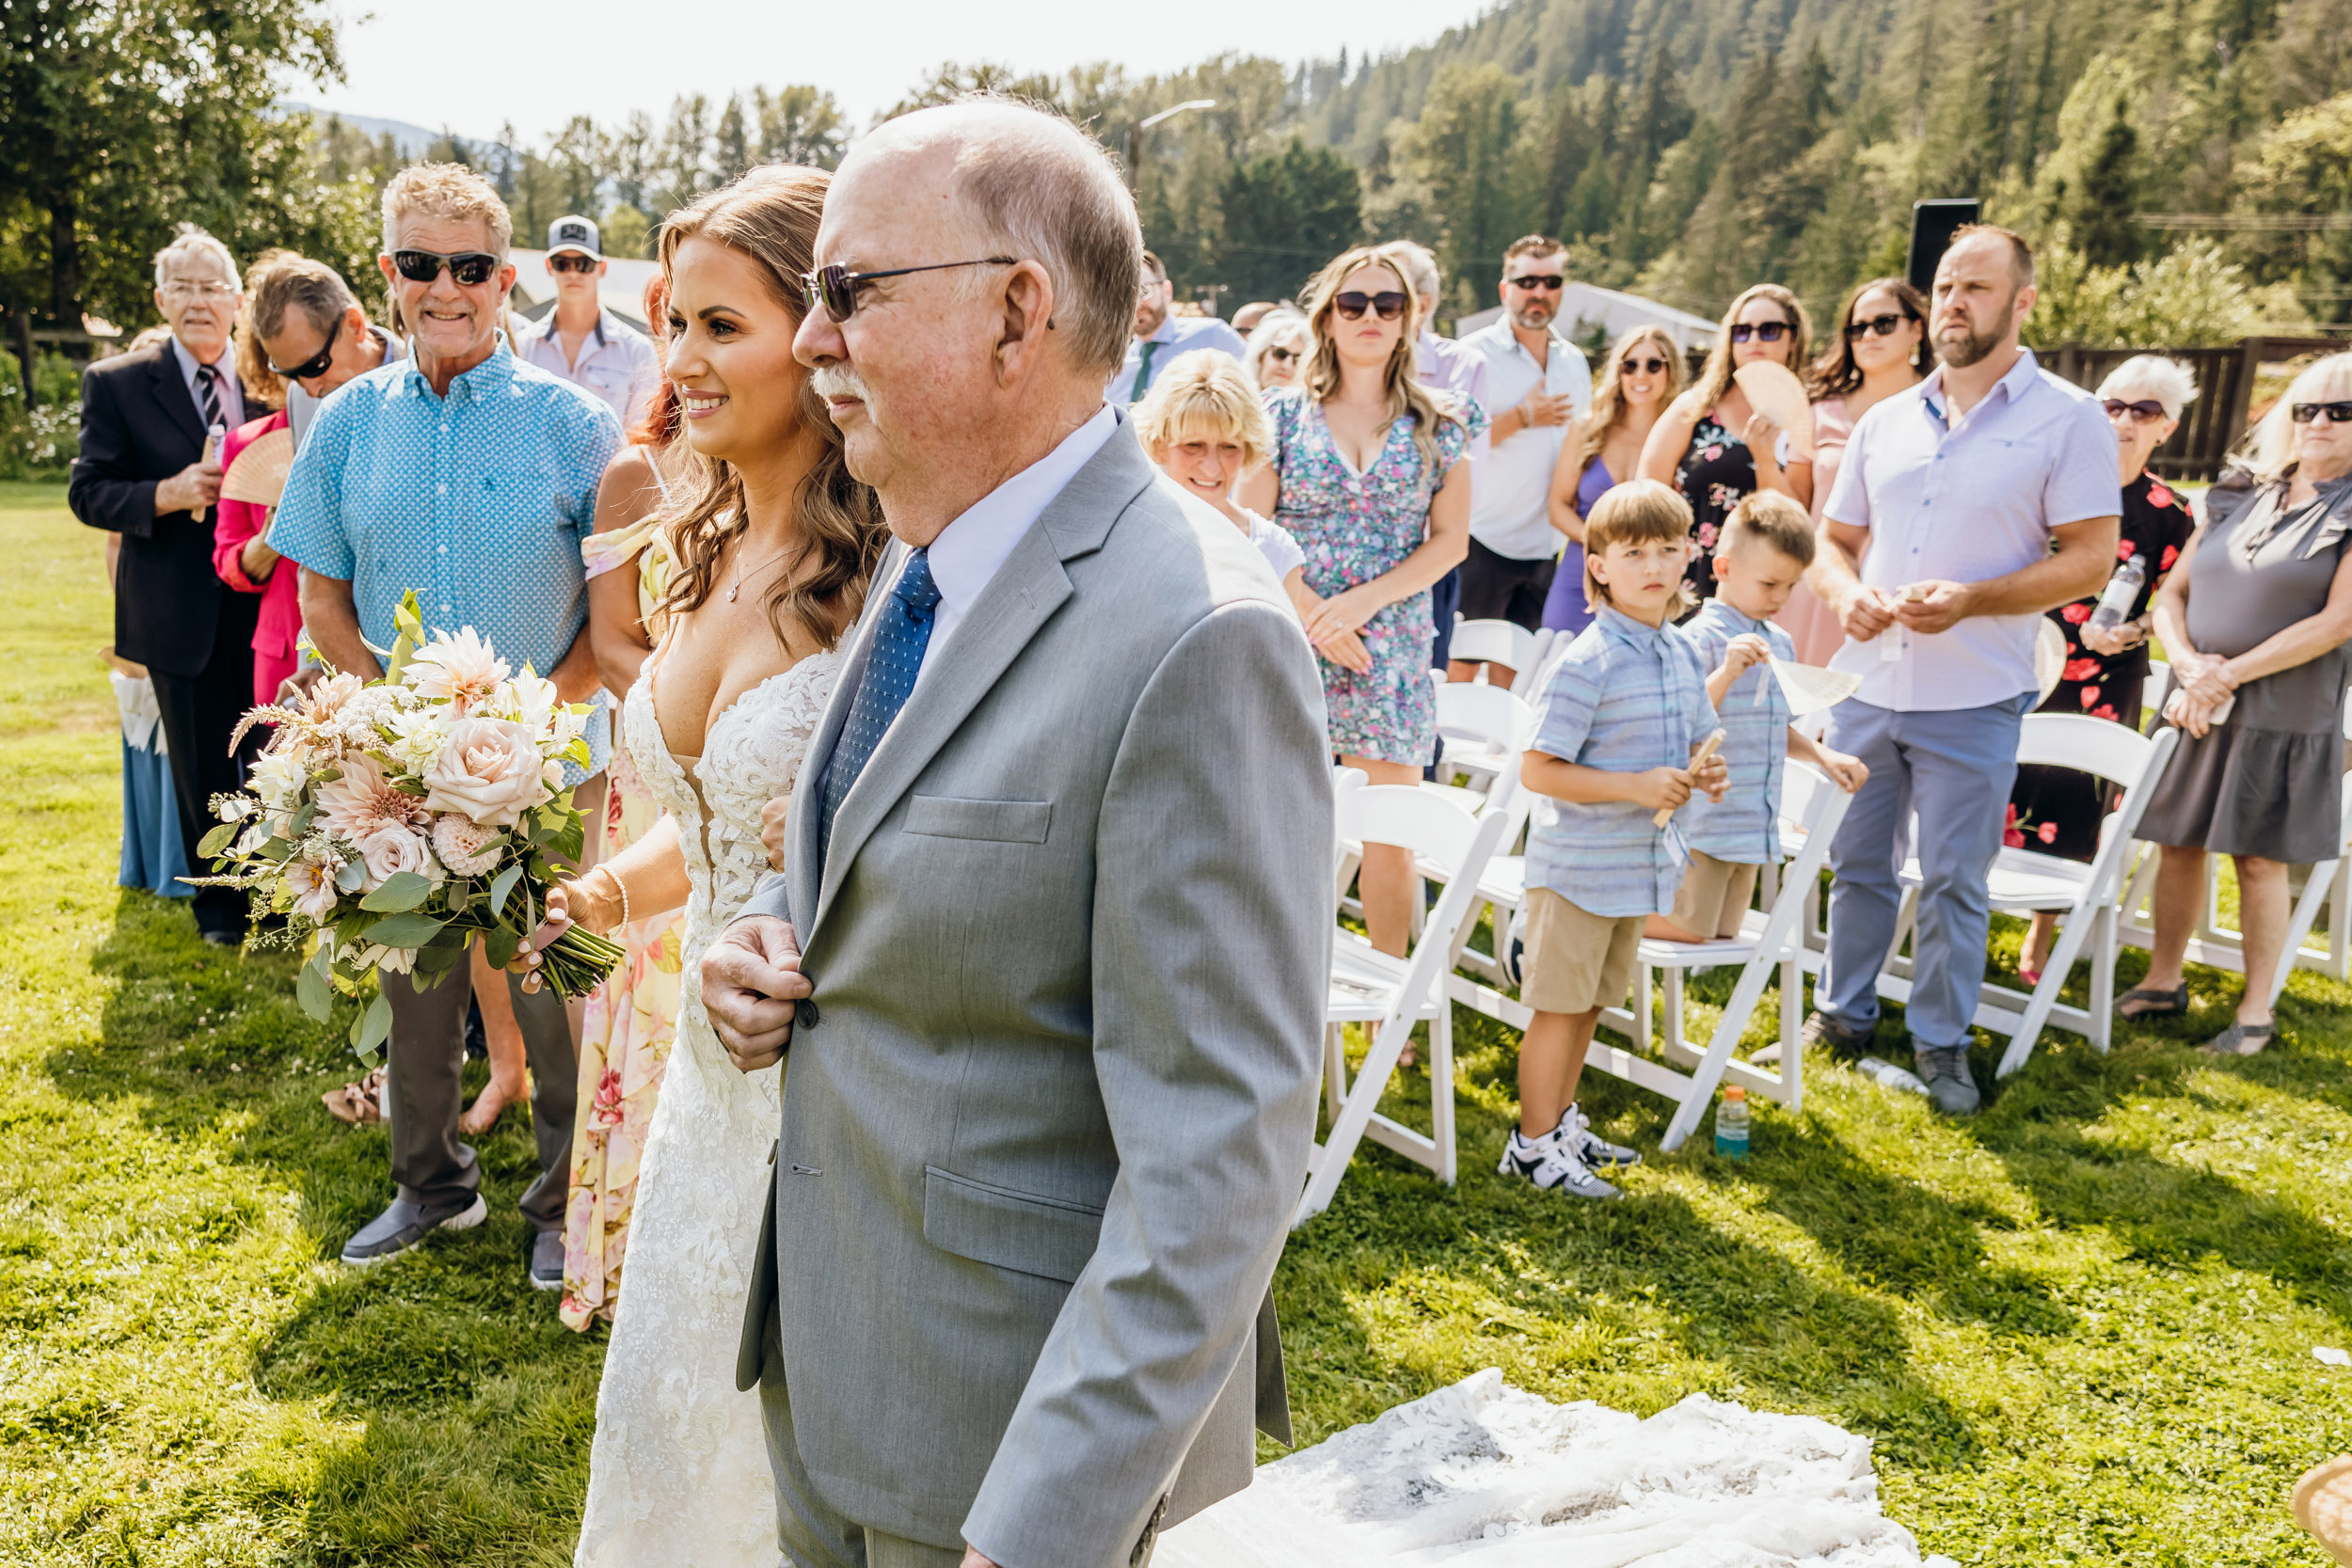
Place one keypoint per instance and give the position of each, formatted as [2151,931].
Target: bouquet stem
[578,961]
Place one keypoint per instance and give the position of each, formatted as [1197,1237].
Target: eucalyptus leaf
[402,889]
[217,841]
[352,876]
[376,1023]
[499,945]
[405,930]
[312,990]
[502,885]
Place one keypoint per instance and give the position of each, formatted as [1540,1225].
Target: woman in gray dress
[2255,620]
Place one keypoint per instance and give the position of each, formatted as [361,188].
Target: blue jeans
[1954,769]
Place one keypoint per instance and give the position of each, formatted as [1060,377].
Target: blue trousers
[1954,771]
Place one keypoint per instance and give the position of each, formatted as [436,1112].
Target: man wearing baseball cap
[582,341]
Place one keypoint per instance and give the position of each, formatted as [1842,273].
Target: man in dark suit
[148,472]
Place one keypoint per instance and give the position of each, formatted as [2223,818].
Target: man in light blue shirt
[1966,507]
[470,477]
[1161,336]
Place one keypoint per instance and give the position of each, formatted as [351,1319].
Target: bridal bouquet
[399,817]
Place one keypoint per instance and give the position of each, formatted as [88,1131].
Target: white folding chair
[1770,938]
[1548,642]
[2158,686]
[1391,994]
[1345,782]
[2024,881]
[1503,643]
[1480,727]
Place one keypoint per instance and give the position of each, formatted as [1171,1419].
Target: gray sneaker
[547,1261]
[1843,1044]
[1949,1083]
[1552,1167]
[405,1224]
[1577,1136]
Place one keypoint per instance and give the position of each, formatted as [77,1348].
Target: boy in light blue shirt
[1623,713]
[1765,546]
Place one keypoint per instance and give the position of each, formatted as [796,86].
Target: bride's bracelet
[620,888]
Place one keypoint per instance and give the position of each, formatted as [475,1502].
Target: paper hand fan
[2049,657]
[1809,688]
[1707,748]
[259,474]
[1774,391]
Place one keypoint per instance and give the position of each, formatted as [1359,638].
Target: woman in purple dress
[1368,477]
[1640,377]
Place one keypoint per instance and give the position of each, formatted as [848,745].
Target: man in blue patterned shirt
[1765,546]
[1623,713]
[470,477]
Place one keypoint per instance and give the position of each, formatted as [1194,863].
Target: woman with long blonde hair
[772,544]
[1368,477]
[1712,446]
[1637,381]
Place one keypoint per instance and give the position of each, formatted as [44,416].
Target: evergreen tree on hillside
[1286,214]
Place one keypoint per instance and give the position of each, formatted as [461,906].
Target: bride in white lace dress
[772,559]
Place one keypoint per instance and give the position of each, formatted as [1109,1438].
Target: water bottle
[2121,592]
[1731,1124]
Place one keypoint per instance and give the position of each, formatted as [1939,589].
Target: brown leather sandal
[361,1104]
[2238,1039]
[2155,1003]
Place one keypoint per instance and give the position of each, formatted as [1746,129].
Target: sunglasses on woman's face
[571,261]
[1642,367]
[2144,411]
[837,288]
[316,365]
[468,268]
[1281,356]
[1388,303]
[1771,332]
[2338,413]
[1884,327]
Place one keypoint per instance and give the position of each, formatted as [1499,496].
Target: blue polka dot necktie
[896,657]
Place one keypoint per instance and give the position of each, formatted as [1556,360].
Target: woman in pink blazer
[244,560]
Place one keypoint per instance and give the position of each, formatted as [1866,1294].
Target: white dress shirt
[231,392]
[1511,505]
[968,551]
[617,363]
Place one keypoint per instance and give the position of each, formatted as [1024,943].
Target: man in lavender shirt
[1966,508]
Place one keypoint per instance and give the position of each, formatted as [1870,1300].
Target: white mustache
[831,381]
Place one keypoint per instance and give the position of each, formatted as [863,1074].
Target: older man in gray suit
[1058,869]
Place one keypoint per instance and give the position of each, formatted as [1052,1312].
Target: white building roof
[623,291]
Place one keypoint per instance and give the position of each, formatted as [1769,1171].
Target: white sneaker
[1551,1166]
[1576,1134]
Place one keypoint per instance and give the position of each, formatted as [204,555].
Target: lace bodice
[678,1472]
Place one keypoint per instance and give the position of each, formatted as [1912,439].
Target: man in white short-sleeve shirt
[582,341]
[1966,508]
[1538,386]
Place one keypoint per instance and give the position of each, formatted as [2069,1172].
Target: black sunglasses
[572,261]
[2149,408]
[2338,413]
[1885,325]
[1284,355]
[1640,367]
[316,365]
[468,268]
[1388,303]
[837,289]
[1772,332]
[1550,281]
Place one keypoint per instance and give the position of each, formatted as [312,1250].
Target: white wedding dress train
[679,1473]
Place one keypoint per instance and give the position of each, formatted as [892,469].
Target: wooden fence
[2225,392]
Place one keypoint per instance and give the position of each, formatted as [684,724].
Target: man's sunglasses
[572,261]
[1388,303]
[2148,409]
[1640,367]
[467,268]
[1284,355]
[1772,332]
[2338,413]
[1885,325]
[316,365]
[836,289]
[1548,280]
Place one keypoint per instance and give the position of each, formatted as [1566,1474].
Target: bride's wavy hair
[771,214]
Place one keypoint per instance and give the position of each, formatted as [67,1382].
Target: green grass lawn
[2079,1327]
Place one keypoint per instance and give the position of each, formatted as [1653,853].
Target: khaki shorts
[1574,960]
[1714,896]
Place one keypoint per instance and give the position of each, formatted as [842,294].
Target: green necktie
[1143,373]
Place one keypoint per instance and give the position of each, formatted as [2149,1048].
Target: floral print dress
[2057,809]
[1715,475]
[1355,527]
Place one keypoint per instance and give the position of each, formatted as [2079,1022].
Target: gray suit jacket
[1045,1130]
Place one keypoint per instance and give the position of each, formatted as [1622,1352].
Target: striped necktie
[208,396]
[891,666]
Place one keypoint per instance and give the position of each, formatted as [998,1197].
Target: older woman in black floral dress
[2055,808]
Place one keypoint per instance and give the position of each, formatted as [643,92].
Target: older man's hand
[752,985]
[1933,607]
[192,489]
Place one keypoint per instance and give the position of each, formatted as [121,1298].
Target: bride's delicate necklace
[740,574]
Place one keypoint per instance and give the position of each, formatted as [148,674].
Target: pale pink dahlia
[460,844]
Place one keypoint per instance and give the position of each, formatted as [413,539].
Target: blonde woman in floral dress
[631,1021]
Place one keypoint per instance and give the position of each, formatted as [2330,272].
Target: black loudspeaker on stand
[1933,226]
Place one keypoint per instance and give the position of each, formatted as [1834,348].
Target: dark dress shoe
[405,1224]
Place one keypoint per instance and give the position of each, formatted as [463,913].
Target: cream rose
[388,851]
[489,772]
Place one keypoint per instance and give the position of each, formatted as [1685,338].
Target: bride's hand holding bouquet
[400,818]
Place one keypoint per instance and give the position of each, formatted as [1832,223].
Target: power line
[2247,223]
